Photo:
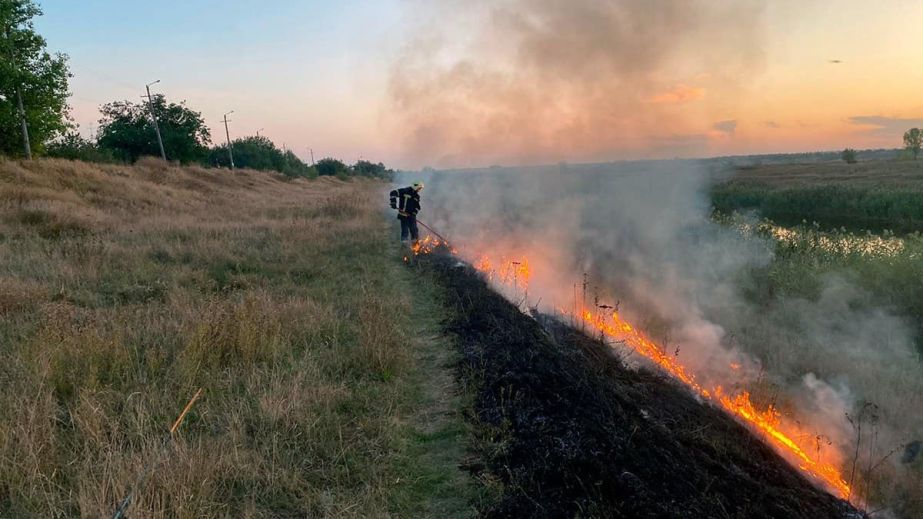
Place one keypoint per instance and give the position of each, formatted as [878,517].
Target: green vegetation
[74,146]
[888,267]
[126,129]
[874,195]
[124,289]
[869,287]
[29,75]
[262,154]
[331,168]
[849,156]
[856,208]
[912,141]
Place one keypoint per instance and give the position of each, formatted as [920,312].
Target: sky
[452,83]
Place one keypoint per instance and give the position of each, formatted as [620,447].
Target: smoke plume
[540,81]
[642,235]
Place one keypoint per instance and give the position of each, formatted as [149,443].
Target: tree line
[35,119]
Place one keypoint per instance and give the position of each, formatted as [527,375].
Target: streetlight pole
[227,133]
[150,104]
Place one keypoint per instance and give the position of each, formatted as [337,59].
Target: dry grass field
[904,174]
[124,290]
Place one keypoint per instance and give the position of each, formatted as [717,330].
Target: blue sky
[312,74]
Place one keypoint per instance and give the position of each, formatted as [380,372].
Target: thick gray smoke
[641,232]
[529,82]
[539,81]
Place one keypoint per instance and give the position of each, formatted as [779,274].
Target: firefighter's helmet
[417,186]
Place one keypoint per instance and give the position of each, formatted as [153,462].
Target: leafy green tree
[262,154]
[249,152]
[73,146]
[295,167]
[365,168]
[126,129]
[849,156]
[331,167]
[28,72]
[912,141]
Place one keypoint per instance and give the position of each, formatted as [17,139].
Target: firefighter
[407,202]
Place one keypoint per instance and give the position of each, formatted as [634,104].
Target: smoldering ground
[642,233]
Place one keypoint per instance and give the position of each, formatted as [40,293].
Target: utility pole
[150,104]
[227,133]
[258,131]
[25,125]
[312,155]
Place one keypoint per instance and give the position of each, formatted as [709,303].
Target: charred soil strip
[567,430]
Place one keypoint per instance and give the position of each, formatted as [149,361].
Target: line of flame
[767,423]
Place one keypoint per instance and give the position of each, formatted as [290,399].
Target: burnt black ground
[570,431]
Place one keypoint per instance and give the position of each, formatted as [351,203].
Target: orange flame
[768,423]
[517,273]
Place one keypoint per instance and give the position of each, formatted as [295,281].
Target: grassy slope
[875,194]
[125,289]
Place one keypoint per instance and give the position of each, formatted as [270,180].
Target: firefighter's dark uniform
[407,202]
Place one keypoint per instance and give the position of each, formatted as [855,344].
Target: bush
[331,168]
[364,168]
[74,147]
[849,156]
[261,154]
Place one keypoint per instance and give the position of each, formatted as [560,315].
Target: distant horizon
[835,153]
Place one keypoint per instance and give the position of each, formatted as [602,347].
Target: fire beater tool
[430,229]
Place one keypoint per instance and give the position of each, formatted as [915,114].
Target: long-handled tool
[430,229]
[145,472]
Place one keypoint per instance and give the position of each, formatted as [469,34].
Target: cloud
[885,126]
[726,127]
[678,95]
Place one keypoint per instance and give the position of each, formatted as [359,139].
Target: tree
[30,74]
[74,146]
[127,130]
[912,141]
[365,168]
[331,167]
[260,153]
[849,156]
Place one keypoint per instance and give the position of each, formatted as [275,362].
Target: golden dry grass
[124,289]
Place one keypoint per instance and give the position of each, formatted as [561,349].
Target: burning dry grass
[125,289]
